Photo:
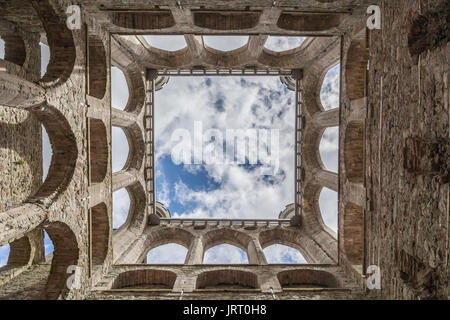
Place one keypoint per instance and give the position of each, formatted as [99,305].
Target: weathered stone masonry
[392,183]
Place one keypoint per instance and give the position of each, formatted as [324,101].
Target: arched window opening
[121,206]
[2,48]
[329,93]
[328,204]
[47,153]
[170,253]
[225,254]
[4,254]
[48,247]
[329,149]
[282,254]
[119,89]
[225,43]
[45,58]
[169,43]
[280,44]
[120,149]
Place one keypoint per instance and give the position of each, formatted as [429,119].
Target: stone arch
[143,20]
[356,68]
[27,250]
[226,20]
[227,279]
[100,233]
[354,151]
[136,147]
[60,41]
[303,278]
[65,254]
[228,236]
[97,71]
[65,152]
[145,279]
[353,233]
[98,151]
[309,22]
[136,89]
[163,236]
[287,237]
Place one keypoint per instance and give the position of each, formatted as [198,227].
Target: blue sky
[218,190]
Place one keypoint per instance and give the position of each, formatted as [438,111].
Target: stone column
[195,252]
[256,253]
[327,179]
[18,221]
[123,179]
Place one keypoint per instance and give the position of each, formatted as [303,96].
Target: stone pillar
[17,92]
[255,253]
[123,179]
[18,221]
[195,252]
[327,179]
[326,119]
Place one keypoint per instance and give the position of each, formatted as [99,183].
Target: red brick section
[353,233]
[299,278]
[99,151]
[226,21]
[100,233]
[14,49]
[354,151]
[143,20]
[97,67]
[308,22]
[150,279]
[227,278]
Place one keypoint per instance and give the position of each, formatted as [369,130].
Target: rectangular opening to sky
[225,147]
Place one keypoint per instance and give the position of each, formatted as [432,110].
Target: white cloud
[329,93]
[171,253]
[225,43]
[279,44]
[278,253]
[172,43]
[225,254]
[121,205]
[2,48]
[47,153]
